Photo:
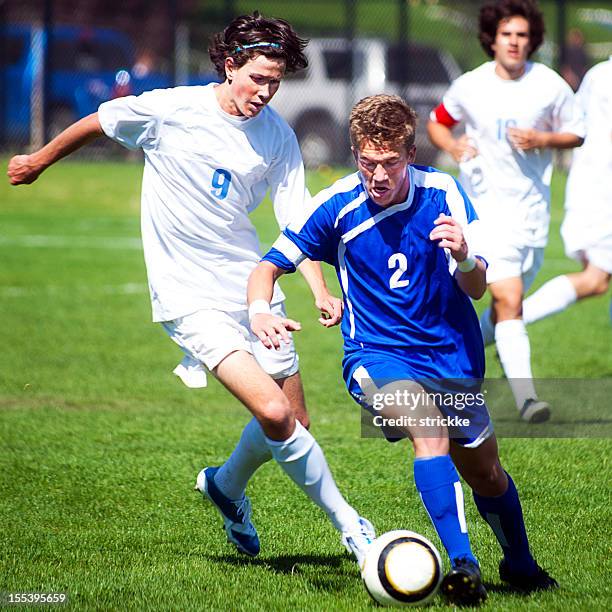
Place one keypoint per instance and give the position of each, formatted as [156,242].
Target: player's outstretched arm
[25,169]
[471,271]
[329,305]
[266,326]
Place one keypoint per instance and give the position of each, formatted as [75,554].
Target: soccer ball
[402,568]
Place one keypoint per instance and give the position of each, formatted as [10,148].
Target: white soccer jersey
[589,184]
[204,172]
[510,189]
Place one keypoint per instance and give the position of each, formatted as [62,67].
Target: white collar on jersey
[384,212]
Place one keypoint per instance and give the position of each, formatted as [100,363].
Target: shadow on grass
[552,422]
[283,564]
[306,567]
[505,589]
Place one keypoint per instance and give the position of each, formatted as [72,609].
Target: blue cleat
[236,513]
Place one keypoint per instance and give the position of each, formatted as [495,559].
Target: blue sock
[505,517]
[438,484]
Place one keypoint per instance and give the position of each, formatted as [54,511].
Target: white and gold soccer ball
[402,568]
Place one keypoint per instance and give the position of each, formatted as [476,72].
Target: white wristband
[258,307]
[467,265]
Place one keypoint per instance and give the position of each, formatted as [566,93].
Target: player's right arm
[447,115]
[439,129]
[312,238]
[266,326]
[288,190]
[25,169]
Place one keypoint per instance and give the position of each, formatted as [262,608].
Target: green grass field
[100,443]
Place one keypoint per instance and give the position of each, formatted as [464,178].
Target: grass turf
[100,444]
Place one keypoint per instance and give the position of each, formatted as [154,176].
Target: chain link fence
[59,59]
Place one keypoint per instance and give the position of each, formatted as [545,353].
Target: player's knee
[276,417]
[592,282]
[488,480]
[430,447]
[600,286]
[509,306]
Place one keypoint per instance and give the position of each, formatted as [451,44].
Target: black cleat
[462,586]
[527,583]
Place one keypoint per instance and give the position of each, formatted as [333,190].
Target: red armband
[441,115]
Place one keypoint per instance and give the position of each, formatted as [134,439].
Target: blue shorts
[369,375]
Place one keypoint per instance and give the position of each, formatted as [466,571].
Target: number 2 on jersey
[399,261]
[221,183]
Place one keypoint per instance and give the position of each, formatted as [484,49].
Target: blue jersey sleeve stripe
[459,206]
[484,261]
[343,187]
[289,249]
[470,211]
[456,204]
[457,201]
[356,203]
[278,259]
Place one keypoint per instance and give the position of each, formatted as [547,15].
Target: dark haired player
[515,112]
[211,154]
[396,234]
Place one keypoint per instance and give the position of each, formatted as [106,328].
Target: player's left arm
[290,197]
[526,140]
[566,121]
[329,305]
[471,270]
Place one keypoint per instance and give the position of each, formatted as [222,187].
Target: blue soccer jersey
[399,289]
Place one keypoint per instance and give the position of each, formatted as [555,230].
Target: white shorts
[588,237]
[510,261]
[208,336]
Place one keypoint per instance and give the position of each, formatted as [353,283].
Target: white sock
[515,356]
[552,297]
[302,459]
[250,453]
[487,328]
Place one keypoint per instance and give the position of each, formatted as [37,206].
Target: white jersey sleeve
[287,182]
[566,115]
[454,98]
[134,121]
[588,191]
